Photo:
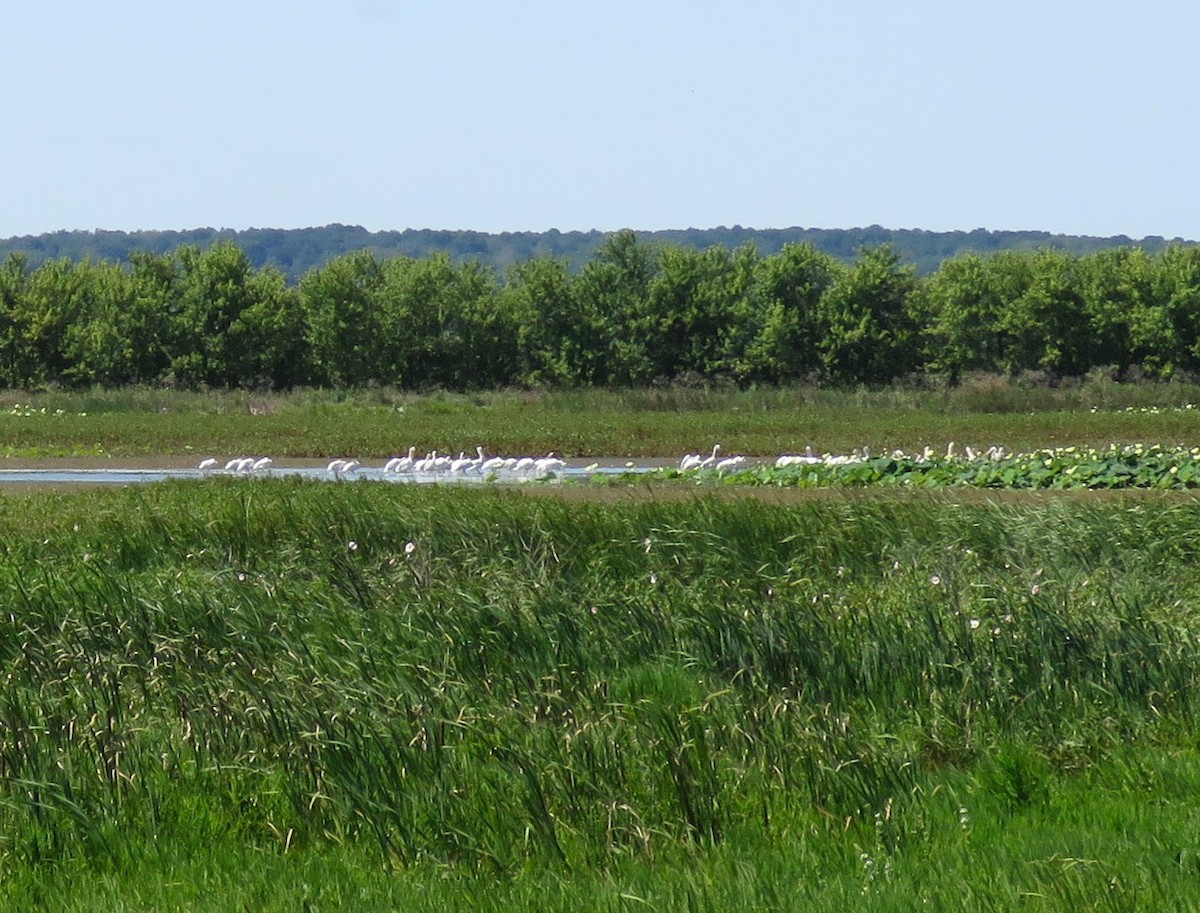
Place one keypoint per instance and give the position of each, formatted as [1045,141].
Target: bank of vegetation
[266,695]
[634,314]
[655,422]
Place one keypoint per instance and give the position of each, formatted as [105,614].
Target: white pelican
[690,461]
[547,465]
[495,464]
[404,463]
[796,459]
[339,467]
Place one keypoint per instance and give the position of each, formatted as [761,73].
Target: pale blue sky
[1073,117]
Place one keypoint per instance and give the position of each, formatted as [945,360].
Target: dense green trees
[345,319]
[636,313]
[559,342]
[785,298]
[698,313]
[868,334]
[232,325]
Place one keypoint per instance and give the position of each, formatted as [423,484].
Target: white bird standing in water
[338,468]
[494,464]
[404,463]
[695,461]
[548,464]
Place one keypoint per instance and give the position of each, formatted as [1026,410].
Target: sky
[522,115]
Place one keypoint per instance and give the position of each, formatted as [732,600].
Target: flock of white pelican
[968,453]
[434,466]
[430,465]
[693,461]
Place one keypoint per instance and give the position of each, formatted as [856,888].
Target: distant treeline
[634,313]
[297,251]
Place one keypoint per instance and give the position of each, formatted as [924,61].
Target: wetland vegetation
[270,694]
[662,422]
[279,694]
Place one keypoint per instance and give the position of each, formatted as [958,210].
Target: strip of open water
[63,475]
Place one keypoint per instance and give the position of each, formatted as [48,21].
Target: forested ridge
[635,312]
[296,251]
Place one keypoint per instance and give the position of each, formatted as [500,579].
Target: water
[117,476]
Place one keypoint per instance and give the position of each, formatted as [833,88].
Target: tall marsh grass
[659,421]
[551,702]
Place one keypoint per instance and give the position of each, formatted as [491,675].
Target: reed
[448,698]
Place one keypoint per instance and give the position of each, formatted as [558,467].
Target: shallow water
[61,475]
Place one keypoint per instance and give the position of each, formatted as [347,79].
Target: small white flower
[410,547]
[646,544]
[352,545]
[935,580]
[654,580]
[1035,589]
[974,624]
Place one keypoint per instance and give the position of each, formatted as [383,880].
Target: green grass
[662,422]
[272,694]
[1127,846]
